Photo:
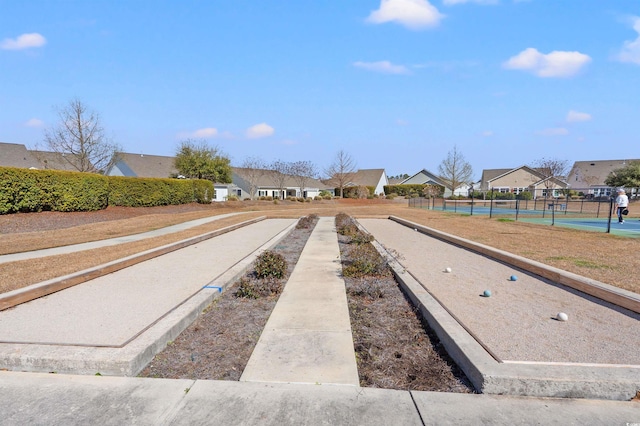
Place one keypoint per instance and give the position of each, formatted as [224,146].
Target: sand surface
[517,323]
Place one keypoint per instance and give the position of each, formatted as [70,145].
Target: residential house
[17,155]
[588,176]
[142,165]
[156,166]
[425,177]
[521,179]
[57,161]
[266,183]
[376,178]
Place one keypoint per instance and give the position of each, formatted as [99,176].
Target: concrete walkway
[307,338]
[55,399]
[35,254]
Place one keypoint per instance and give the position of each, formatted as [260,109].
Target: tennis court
[630,227]
[596,216]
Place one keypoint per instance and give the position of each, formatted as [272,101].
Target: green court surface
[630,228]
[586,216]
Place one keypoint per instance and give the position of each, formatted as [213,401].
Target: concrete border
[133,357]
[491,376]
[26,294]
[606,292]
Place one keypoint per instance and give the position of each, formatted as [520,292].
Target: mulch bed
[395,348]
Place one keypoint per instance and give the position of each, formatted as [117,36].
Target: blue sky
[395,83]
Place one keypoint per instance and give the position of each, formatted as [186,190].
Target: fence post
[610,211]
[491,205]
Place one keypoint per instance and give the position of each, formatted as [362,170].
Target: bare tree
[253,171]
[303,172]
[341,171]
[80,139]
[552,170]
[280,171]
[455,170]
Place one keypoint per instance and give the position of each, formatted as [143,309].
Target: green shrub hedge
[411,189]
[356,191]
[25,190]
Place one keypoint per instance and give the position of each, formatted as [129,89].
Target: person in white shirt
[622,202]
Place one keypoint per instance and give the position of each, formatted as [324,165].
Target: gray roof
[56,161]
[144,165]
[17,155]
[426,178]
[490,174]
[367,177]
[267,179]
[593,173]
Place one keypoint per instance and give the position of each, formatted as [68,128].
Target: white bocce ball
[562,316]
[447,270]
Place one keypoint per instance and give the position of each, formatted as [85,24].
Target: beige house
[521,179]
[588,176]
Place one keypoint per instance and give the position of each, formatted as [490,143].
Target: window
[519,190]
[602,192]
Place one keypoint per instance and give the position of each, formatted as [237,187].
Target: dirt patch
[575,251]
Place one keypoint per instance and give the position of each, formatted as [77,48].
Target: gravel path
[517,322]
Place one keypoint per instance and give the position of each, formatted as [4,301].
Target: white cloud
[401,122]
[34,122]
[207,132]
[575,116]
[454,2]
[413,14]
[554,64]
[554,131]
[261,130]
[487,133]
[384,67]
[24,41]
[631,49]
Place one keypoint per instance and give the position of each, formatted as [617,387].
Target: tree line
[81,140]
